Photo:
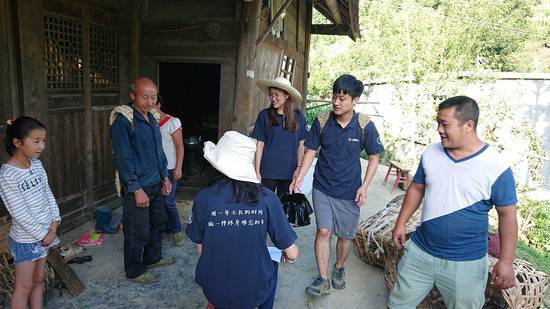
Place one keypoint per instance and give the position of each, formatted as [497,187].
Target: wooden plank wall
[292,43]
[78,156]
[9,94]
[203,31]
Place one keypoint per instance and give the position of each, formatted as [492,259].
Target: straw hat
[280,83]
[233,156]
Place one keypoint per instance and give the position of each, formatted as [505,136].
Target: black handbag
[297,208]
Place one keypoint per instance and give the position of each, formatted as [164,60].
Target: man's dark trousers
[143,231]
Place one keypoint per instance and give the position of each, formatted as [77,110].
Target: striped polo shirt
[29,200]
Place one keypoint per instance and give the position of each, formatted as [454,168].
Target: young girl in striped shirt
[25,191]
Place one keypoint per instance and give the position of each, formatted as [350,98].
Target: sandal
[68,252]
[81,259]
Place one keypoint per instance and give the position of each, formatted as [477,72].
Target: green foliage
[311,111]
[539,260]
[415,38]
[535,223]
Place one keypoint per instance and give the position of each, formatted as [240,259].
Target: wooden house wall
[193,32]
[292,43]
[208,31]
[78,157]
[56,37]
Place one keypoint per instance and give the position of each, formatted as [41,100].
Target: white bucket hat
[280,83]
[233,156]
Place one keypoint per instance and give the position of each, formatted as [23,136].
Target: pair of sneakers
[150,277]
[321,286]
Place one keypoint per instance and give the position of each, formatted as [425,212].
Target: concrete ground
[106,286]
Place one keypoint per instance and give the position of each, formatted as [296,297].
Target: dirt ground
[106,286]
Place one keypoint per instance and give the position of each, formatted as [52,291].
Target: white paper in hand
[275,254]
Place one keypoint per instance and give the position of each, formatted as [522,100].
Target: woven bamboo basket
[7,272]
[5,224]
[369,235]
[528,293]
[369,231]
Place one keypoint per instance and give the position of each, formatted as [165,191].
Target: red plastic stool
[402,174]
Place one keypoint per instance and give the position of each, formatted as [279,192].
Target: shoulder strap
[364,120]
[323,118]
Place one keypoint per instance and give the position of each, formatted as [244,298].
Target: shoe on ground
[178,239]
[70,251]
[146,278]
[319,287]
[165,261]
[166,236]
[338,278]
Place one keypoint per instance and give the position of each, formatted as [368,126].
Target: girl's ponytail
[19,128]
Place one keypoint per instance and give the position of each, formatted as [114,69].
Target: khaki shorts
[461,283]
[339,216]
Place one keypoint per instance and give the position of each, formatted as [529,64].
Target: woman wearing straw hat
[280,131]
[230,221]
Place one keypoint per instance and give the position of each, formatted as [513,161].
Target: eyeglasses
[276,95]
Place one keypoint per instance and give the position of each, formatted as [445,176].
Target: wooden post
[87,97]
[33,70]
[65,273]
[309,12]
[246,59]
[135,38]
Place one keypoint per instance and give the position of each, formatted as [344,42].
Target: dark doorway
[191,92]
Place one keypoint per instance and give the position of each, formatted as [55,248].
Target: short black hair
[348,84]
[465,107]
[20,128]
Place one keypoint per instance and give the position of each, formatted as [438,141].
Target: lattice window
[287,67]
[63,53]
[104,58]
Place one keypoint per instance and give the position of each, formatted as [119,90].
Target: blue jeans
[142,231]
[173,225]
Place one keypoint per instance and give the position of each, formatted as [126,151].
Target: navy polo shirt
[234,269]
[138,154]
[338,169]
[280,155]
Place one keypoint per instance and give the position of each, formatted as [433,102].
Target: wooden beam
[135,40]
[309,14]
[354,33]
[87,97]
[329,29]
[333,7]
[246,62]
[65,273]
[270,26]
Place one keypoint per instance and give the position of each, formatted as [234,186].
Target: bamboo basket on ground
[528,293]
[5,224]
[371,231]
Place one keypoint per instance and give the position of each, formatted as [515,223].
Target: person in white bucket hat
[230,221]
[280,131]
